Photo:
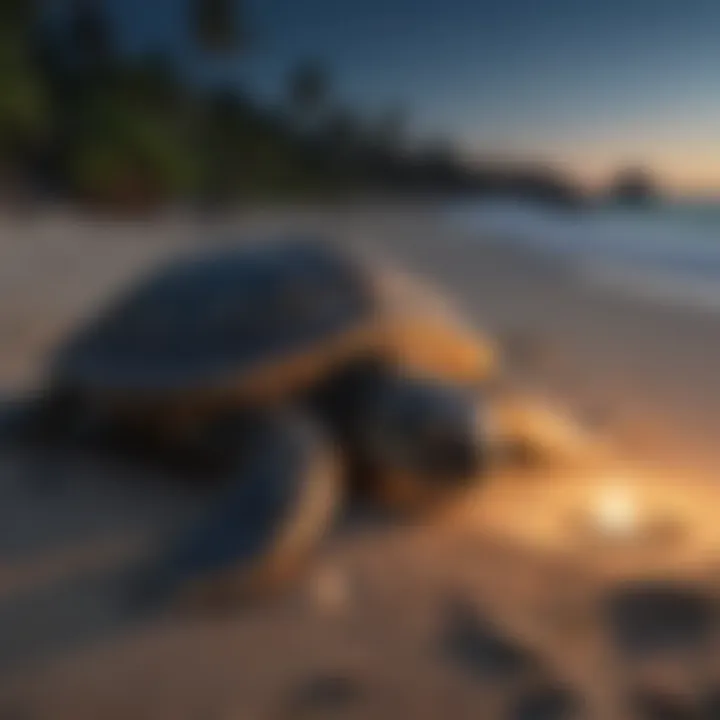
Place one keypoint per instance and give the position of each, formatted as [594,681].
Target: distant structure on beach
[633,187]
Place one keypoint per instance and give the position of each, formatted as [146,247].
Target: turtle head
[427,429]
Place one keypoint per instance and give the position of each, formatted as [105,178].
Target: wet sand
[393,621]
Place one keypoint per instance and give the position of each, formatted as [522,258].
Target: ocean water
[668,253]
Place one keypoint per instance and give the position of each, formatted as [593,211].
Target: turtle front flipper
[534,432]
[256,535]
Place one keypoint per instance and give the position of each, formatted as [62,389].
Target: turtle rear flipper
[257,534]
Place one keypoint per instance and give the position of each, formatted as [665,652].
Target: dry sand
[394,622]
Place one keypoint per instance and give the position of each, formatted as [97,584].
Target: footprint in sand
[470,642]
[665,632]
[650,617]
[323,696]
[544,702]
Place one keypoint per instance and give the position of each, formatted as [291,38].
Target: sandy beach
[393,621]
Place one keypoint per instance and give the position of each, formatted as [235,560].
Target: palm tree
[18,13]
[389,131]
[218,26]
[91,35]
[308,91]
[23,100]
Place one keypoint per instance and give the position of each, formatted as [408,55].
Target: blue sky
[586,83]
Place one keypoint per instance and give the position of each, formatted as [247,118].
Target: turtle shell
[236,318]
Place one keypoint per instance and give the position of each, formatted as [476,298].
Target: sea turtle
[298,372]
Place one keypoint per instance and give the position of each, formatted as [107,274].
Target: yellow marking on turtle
[413,327]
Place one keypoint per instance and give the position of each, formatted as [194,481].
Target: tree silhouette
[633,186]
[91,35]
[219,26]
[92,123]
[308,92]
[389,130]
[23,99]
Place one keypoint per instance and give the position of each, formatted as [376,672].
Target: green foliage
[23,96]
[308,90]
[129,154]
[91,34]
[217,26]
[389,130]
[95,125]
[18,15]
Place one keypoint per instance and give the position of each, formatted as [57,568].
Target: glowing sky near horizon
[589,84]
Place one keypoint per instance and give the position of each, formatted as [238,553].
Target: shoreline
[643,369]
